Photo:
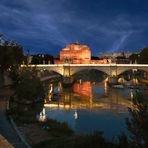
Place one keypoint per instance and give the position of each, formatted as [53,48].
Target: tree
[143,56]
[133,58]
[11,56]
[138,122]
[29,87]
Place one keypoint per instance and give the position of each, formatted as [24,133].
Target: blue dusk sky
[46,26]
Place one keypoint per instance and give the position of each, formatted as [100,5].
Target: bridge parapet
[71,69]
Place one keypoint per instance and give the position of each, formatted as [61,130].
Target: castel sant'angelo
[75,53]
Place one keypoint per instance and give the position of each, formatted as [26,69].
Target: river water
[91,106]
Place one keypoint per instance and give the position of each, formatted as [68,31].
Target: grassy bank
[77,141]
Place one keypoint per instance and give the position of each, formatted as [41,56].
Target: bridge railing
[59,65]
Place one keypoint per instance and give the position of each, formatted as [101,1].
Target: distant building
[119,58]
[122,60]
[39,59]
[75,53]
[114,55]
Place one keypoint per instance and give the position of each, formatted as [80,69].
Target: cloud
[42,24]
[119,43]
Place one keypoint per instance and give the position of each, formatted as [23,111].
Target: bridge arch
[91,75]
[47,72]
[123,70]
[74,70]
[58,70]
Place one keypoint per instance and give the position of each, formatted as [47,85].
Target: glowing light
[50,88]
[76,115]
[135,81]
[42,116]
[105,88]
[132,94]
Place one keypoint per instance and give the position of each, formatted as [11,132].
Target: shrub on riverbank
[56,128]
[24,113]
[29,88]
[95,140]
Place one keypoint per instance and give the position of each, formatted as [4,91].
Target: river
[91,106]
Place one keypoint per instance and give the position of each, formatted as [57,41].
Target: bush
[56,128]
[29,87]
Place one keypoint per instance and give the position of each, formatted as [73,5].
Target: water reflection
[42,116]
[83,89]
[90,106]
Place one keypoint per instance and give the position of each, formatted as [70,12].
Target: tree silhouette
[143,56]
[138,121]
[11,56]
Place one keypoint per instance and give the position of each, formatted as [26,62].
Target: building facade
[118,58]
[75,53]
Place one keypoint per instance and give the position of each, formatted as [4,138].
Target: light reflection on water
[89,107]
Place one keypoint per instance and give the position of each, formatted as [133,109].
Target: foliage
[29,86]
[11,54]
[138,123]
[143,56]
[123,141]
[77,141]
[24,113]
[133,58]
[57,128]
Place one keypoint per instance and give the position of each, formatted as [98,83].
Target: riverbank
[37,133]
[31,132]
[51,133]
[6,128]
[4,143]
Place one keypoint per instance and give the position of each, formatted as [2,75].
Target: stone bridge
[68,70]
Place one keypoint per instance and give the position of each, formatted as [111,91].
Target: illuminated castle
[75,53]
